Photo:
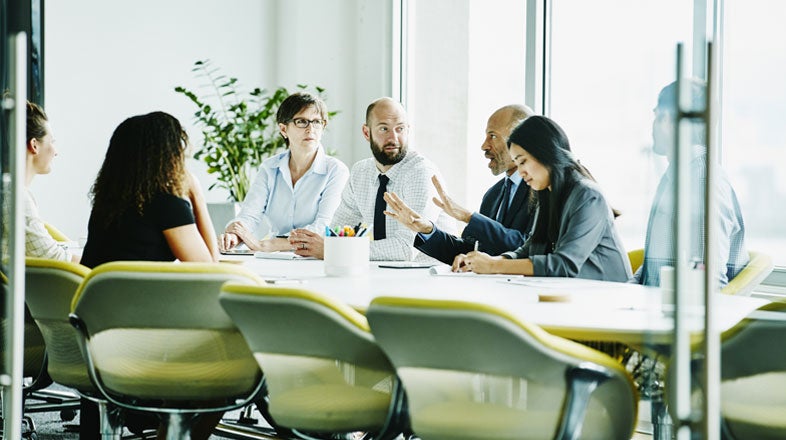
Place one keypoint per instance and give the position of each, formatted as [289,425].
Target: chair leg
[178,426]
[110,421]
[661,420]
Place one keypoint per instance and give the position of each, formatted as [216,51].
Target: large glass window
[609,60]
[754,105]
[465,60]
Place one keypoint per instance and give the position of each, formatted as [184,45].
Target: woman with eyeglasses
[299,188]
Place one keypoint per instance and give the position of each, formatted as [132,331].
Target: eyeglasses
[303,123]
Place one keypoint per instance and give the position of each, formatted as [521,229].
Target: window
[465,60]
[754,105]
[609,60]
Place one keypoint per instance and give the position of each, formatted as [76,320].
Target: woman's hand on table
[307,244]
[478,262]
[235,234]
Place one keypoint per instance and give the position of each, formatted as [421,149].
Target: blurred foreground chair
[156,339]
[33,363]
[35,359]
[645,364]
[450,355]
[753,376]
[50,286]
[325,374]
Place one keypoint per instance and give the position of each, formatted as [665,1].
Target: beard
[388,158]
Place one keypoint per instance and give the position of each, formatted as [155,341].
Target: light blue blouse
[274,206]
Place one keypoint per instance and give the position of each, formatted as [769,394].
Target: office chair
[56,233]
[636,258]
[758,268]
[753,377]
[324,372]
[35,396]
[33,365]
[50,286]
[456,358]
[156,339]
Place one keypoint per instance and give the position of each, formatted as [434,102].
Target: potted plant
[240,131]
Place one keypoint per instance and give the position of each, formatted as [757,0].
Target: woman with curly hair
[146,205]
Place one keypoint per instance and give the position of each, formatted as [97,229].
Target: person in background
[147,206]
[503,221]
[394,167]
[574,234]
[732,255]
[299,188]
[40,153]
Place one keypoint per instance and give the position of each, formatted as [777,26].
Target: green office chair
[50,286]
[324,372]
[156,339]
[473,371]
[33,362]
[753,376]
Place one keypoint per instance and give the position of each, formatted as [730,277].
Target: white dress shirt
[38,242]
[410,179]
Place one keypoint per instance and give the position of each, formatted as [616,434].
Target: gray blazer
[588,245]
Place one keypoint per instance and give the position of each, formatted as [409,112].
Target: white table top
[593,310]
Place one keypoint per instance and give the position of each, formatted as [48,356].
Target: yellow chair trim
[775,306]
[66,266]
[342,309]
[164,267]
[636,258]
[55,233]
[758,264]
[561,345]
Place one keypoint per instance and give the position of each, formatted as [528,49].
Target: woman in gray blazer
[574,234]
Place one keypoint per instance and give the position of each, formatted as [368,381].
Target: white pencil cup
[346,256]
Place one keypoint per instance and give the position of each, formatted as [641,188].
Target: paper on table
[404,265]
[563,283]
[281,255]
[445,271]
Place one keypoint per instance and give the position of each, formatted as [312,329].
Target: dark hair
[548,144]
[36,121]
[295,103]
[146,157]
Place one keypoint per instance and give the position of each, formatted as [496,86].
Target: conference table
[572,308]
[567,307]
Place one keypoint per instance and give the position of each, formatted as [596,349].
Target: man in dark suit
[503,222]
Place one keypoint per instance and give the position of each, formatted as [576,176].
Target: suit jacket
[494,237]
[587,245]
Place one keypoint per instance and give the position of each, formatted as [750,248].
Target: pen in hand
[477,244]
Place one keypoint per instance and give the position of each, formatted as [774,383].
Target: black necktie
[379,208]
[503,205]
